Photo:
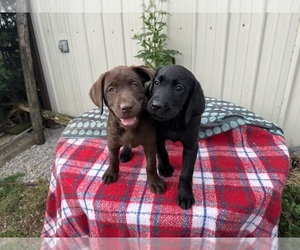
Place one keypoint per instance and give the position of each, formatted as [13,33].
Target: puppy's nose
[126,107]
[157,106]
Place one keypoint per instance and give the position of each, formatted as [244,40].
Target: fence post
[30,83]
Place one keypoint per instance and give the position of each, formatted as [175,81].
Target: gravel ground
[35,162]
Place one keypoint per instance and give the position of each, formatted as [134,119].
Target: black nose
[157,106]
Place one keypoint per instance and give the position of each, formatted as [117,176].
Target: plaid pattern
[238,182]
[164,243]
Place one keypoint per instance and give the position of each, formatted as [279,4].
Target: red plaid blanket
[238,182]
[164,243]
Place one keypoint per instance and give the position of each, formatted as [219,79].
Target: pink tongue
[129,121]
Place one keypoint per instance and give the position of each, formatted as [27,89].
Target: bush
[289,225]
[11,76]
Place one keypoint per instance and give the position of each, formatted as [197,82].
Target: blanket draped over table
[240,173]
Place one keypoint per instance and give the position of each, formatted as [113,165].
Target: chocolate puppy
[122,89]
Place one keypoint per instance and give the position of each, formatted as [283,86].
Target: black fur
[176,102]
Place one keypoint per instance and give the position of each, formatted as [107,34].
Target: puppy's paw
[156,185]
[185,199]
[125,155]
[165,171]
[110,176]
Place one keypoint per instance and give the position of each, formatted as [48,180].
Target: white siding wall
[246,52]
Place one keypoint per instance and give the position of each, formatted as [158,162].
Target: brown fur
[122,89]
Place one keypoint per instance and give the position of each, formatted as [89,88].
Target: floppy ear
[150,86]
[96,92]
[147,74]
[196,103]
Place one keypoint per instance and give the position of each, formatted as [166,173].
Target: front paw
[110,176]
[125,154]
[165,170]
[185,198]
[156,185]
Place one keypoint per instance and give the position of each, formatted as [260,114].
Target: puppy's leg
[112,172]
[125,155]
[156,184]
[164,167]
[185,197]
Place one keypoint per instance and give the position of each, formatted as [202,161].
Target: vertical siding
[246,52]
[96,43]
[290,115]
[180,34]
[291,121]
[132,25]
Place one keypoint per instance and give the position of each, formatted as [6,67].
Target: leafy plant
[289,225]
[12,87]
[153,39]
[11,77]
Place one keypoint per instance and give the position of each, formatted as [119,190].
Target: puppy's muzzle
[128,114]
[157,106]
[126,107]
[160,111]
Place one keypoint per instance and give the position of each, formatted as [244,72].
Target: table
[240,172]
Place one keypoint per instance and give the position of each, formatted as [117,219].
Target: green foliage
[22,207]
[11,76]
[5,190]
[289,225]
[153,40]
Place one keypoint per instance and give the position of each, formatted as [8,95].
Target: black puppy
[176,102]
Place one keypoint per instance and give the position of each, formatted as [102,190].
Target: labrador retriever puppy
[122,89]
[176,102]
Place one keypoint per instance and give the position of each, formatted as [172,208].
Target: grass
[22,206]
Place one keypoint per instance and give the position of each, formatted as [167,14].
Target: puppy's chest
[171,134]
[131,137]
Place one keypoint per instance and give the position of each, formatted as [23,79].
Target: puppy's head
[175,92]
[122,89]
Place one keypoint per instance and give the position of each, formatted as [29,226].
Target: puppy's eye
[179,88]
[156,83]
[134,85]
[111,89]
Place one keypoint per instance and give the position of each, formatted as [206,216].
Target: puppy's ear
[96,92]
[150,86]
[146,74]
[196,103]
